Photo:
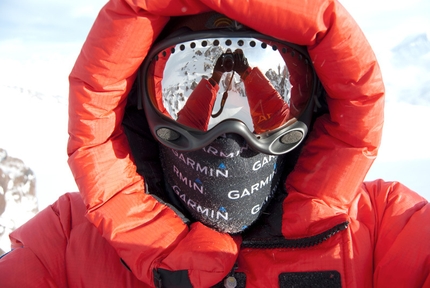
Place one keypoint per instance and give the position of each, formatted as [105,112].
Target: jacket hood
[336,157]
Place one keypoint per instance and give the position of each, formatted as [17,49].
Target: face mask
[224,185]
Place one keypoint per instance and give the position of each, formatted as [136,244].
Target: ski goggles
[266,91]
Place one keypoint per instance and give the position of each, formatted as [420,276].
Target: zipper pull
[230,282]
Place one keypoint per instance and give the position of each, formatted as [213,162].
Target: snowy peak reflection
[188,63]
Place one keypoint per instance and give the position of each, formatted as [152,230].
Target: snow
[34,129]
[186,67]
[35,63]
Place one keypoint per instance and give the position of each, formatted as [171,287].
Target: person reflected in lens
[267,107]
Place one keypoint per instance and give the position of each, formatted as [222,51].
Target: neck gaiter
[224,185]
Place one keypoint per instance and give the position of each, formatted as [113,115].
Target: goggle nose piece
[292,137]
[168,134]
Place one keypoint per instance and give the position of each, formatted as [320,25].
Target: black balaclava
[224,185]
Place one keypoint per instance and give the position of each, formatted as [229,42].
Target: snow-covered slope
[34,129]
[409,75]
[18,201]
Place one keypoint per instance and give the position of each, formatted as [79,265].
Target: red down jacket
[335,230]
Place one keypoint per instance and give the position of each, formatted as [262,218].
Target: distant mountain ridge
[411,61]
[29,93]
[414,49]
[18,201]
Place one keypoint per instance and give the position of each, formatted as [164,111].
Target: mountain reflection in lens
[273,74]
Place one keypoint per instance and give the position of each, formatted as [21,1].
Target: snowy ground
[37,51]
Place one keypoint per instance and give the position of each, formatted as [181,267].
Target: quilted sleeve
[402,236]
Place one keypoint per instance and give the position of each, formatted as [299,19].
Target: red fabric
[268,109]
[61,248]
[325,189]
[197,111]
[386,245]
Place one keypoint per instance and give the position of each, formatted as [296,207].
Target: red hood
[335,159]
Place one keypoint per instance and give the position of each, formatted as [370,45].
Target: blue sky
[40,40]
[47,21]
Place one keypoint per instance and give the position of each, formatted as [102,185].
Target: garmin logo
[221,172]
[221,214]
[192,184]
[238,194]
[260,164]
[255,209]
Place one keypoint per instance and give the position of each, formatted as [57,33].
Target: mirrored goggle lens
[264,84]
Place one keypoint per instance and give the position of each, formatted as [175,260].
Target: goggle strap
[224,98]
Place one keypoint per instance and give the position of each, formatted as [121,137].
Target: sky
[40,40]
[404,155]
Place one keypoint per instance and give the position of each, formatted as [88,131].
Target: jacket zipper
[233,278]
[280,242]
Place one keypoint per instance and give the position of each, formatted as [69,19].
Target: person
[196,111]
[155,207]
